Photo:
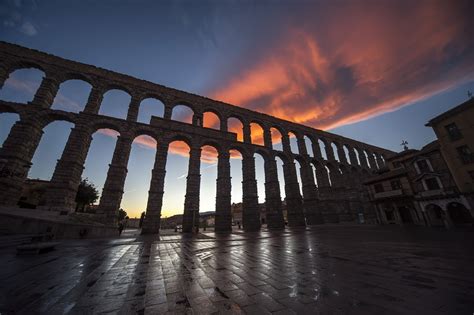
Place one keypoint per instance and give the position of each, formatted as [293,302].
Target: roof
[453,111]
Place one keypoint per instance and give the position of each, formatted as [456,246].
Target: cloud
[356,62]
[28,28]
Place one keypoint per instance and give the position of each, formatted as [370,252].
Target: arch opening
[182,113]
[115,104]
[335,151]
[150,107]
[22,85]
[293,143]
[256,134]
[208,170]
[309,146]
[346,152]
[175,179]
[459,213]
[277,139]
[211,120]
[137,182]
[322,148]
[72,96]
[49,150]
[236,126]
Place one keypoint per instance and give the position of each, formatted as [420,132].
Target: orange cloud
[357,63]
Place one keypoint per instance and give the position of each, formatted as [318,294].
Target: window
[465,154]
[396,184]
[378,188]
[432,183]
[423,166]
[453,131]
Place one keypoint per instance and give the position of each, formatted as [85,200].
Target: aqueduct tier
[339,195]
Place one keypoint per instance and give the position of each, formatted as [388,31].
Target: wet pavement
[320,270]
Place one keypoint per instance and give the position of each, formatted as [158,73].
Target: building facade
[432,186]
[455,132]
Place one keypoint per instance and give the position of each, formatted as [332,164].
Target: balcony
[388,194]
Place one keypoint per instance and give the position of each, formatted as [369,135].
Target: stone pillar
[372,160]
[46,92]
[193,183]
[379,161]
[302,146]
[95,99]
[61,193]
[168,112]
[133,108]
[112,193]
[316,150]
[15,158]
[322,176]
[224,126]
[362,158]
[353,157]
[285,141]
[223,194]
[329,151]
[272,196]
[310,195]
[294,202]
[247,134]
[197,119]
[342,154]
[4,73]
[250,211]
[151,224]
[267,137]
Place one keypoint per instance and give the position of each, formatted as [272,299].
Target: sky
[375,71]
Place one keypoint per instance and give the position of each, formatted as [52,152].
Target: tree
[122,214]
[86,195]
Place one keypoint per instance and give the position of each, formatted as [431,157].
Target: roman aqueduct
[339,195]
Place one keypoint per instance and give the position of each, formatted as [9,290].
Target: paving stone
[362,270]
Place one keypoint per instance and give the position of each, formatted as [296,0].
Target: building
[433,186]
[455,132]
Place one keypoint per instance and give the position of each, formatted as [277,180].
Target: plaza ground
[318,270]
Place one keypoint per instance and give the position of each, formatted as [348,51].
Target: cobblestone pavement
[320,270]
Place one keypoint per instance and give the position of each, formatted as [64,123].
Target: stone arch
[72,95]
[236,125]
[22,84]
[170,138]
[365,156]
[214,144]
[261,158]
[68,76]
[322,143]
[106,124]
[374,158]
[334,146]
[356,153]
[211,119]
[293,139]
[115,103]
[435,214]
[149,107]
[50,148]
[277,138]
[308,142]
[346,152]
[257,133]
[183,113]
[459,213]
